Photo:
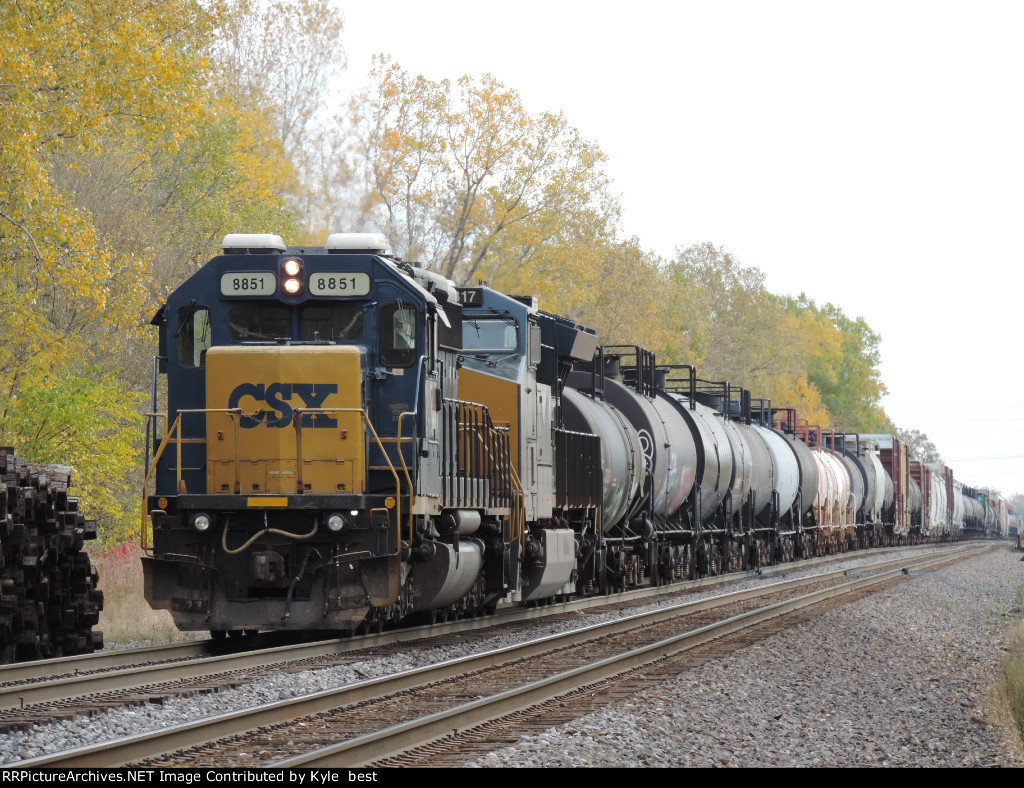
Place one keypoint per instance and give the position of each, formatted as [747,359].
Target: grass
[126,616]
[1012,683]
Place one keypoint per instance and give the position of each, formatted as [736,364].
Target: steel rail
[19,696]
[154,743]
[397,739]
[44,670]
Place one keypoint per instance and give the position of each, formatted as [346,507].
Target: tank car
[896,516]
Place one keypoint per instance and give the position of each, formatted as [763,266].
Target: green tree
[846,375]
[725,321]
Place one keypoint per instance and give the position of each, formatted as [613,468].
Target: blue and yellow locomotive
[346,441]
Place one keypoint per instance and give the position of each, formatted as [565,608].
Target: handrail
[175,430]
[297,414]
[405,470]
[517,512]
[517,517]
[151,421]
[476,462]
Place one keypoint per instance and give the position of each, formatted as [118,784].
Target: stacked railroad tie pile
[48,596]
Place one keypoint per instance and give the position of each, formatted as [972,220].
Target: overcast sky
[868,154]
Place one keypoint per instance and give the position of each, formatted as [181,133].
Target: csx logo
[280,397]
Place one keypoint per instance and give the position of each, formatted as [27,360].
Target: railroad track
[433,701]
[59,689]
[23,673]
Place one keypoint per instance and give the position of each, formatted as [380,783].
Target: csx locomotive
[350,441]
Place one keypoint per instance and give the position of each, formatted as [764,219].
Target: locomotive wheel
[48,597]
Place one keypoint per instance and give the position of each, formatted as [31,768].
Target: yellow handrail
[175,430]
[297,414]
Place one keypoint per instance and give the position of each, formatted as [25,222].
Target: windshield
[331,323]
[490,334]
[259,323]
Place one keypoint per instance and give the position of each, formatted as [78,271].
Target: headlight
[201,522]
[336,522]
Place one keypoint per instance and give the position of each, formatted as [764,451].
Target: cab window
[193,335]
[259,323]
[397,335]
[489,334]
[331,323]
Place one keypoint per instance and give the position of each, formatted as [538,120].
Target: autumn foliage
[121,163]
[135,134]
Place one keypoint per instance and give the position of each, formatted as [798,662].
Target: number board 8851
[339,284]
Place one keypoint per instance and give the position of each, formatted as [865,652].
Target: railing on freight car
[578,480]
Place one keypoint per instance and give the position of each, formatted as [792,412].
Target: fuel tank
[447,575]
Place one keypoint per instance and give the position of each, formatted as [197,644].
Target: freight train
[350,441]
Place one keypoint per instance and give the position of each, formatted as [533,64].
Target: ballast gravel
[905,677]
[896,678]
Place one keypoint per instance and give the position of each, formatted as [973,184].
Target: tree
[466,181]
[114,150]
[920,446]
[608,285]
[277,61]
[724,320]
[845,373]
